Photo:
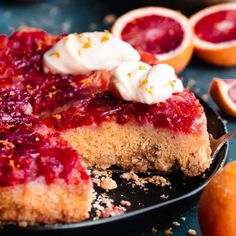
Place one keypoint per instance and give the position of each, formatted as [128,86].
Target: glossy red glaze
[21,69]
[58,90]
[29,150]
[217,27]
[178,113]
[155,34]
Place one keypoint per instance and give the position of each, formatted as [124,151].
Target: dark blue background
[86,15]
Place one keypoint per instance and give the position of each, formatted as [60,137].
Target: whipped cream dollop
[85,52]
[140,82]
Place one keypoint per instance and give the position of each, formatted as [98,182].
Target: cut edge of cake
[142,147]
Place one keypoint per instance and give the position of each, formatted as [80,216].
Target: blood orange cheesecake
[79,99]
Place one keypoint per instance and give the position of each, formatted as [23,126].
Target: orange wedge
[223,92]
[215,34]
[163,32]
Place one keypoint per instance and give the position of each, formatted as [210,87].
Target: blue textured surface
[86,15]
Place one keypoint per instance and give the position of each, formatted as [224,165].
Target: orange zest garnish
[142,67]
[172,83]
[51,94]
[105,37]
[12,164]
[66,38]
[87,44]
[12,93]
[7,144]
[57,116]
[85,82]
[150,89]
[56,54]
[142,83]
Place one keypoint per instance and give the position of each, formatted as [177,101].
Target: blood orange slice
[223,92]
[160,31]
[215,34]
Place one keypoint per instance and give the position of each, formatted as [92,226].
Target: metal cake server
[216,144]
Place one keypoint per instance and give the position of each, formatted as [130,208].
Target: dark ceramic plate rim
[134,213]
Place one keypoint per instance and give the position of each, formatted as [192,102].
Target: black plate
[147,206]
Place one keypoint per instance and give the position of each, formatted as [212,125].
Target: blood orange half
[160,31]
[223,92]
[215,34]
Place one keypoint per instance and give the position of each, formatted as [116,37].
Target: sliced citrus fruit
[223,92]
[163,32]
[215,34]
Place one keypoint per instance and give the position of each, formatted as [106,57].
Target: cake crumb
[104,207]
[97,181]
[112,211]
[175,223]
[99,173]
[168,231]
[159,180]
[125,203]
[192,232]
[139,181]
[129,175]
[108,184]
[132,176]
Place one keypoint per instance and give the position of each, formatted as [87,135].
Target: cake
[171,136]
[61,112]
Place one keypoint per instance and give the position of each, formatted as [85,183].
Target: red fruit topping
[29,150]
[178,113]
[148,58]
[59,90]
